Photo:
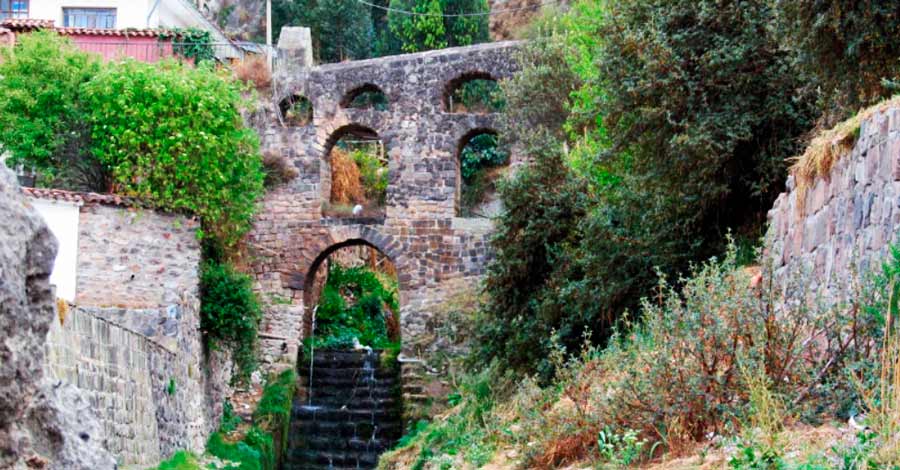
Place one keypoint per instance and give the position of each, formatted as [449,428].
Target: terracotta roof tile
[83,198]
[27,25]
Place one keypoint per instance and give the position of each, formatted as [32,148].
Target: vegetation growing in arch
[482,163]
[297,110]
[356,291]
[365,97]
[359,174]
[476,93]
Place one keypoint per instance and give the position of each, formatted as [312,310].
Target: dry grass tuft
[346,184]
[62,308]
[827,148]
[254,69]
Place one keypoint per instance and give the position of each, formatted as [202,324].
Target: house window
[13,9]
[103,18]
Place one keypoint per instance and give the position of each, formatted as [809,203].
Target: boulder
[42,424]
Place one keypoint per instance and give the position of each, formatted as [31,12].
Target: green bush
[254,452]
[273,412]
[478,96]
[429,29]
[848,48]
[338,324]
[173,135]
[373,174]
[42,111]
[181,460]
[230,313]
[341,30]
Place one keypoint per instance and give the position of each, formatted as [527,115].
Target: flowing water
[346,413]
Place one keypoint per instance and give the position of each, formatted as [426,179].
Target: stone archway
[313,280]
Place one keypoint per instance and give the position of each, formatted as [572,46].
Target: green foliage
[373,174]
[41,111]
[429,30]
[620,450]
[849,48]
[171,388]
[370,99]
[273,412]
[181,460]
[230,421]
[341,29]
[254,452]
[420,32]
[647,128]
[230,313]
[173,135]
[471,431]
[478,96]
[481,155]
[194,44]
[353,305]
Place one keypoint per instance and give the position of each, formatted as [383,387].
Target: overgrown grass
[182,460]
[829,146]
[261,446]
[714,354]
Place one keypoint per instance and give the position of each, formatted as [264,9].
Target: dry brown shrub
[566,449]
[278,170]
[346,185]
[254,69]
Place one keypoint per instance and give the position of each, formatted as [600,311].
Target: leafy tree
[341,29]
[649,144]
[173,135]
[41,110]
[849,47]
[419,32]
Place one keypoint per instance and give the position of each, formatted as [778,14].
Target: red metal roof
[83,198]
[20,25]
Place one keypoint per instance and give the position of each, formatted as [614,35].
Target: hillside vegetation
[629,318]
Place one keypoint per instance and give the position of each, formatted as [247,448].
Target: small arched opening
[473,93]
[296,110]
[358,173]
[482,160]
[367,96]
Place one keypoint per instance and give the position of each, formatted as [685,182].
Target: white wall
[129,13]
[62,219]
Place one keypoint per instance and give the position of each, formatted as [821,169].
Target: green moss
[247,455]
[182,460]
[273,413]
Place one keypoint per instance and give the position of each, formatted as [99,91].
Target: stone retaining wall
[849,217]
[150,400]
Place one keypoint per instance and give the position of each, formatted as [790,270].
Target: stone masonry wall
[848,219]
[131,342]
[135,258]
[432,249]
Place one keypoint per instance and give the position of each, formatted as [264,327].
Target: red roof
[83,198]
[21,25]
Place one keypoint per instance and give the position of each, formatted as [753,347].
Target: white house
[120,14]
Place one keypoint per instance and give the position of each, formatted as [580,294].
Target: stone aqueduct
[435,252]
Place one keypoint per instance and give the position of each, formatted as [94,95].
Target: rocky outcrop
[42,425]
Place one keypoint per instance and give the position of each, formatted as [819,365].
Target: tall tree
[341,29]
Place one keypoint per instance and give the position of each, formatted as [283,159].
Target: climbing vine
[194,44]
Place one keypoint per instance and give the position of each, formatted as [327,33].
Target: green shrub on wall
[41,109]
[230,314]
[172,134]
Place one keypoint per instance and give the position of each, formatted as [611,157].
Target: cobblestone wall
[432,249]
[134,258]
[848,218]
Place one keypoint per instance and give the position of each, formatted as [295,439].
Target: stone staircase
[347,415]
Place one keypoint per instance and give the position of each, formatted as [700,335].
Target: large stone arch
[342,237]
